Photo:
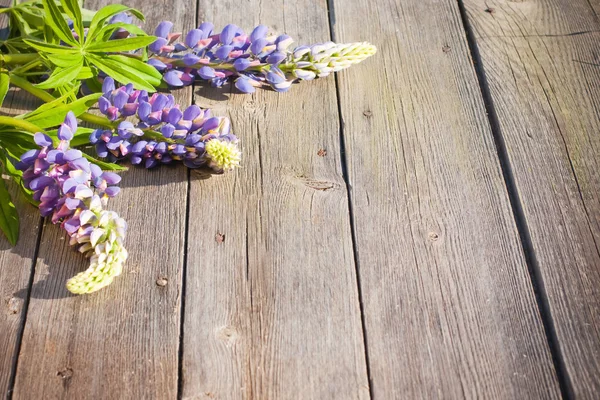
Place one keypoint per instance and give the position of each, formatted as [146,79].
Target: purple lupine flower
[231,55]
[72,192]
[177,135]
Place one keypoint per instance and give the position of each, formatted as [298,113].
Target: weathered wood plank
[123,341]
[15,265]
[542,67]
[271,308]
[449,307]
[15,262]
[15,272]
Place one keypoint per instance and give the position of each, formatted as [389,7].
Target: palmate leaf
[127,70]
[106,32]
[118,45]
[62,76]
[105,13]
[73,10]
[55,20]
[50,48]
[9,219]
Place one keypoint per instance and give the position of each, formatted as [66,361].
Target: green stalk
[19,123]
[18,58]
[47,97]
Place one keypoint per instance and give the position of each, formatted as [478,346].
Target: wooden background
[422,225]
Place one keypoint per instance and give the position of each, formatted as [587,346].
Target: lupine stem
[47,97]
[18,58]
[19,123]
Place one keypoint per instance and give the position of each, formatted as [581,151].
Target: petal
[241,64]
[120,99]
[258,45]
[258,33]
[243,85]
[174,116]
[206,72]
[103,104]
[112,191]
[167,130]
[156,63]
[228,34]
[223,52]
[172,78]
[192,112]
[108,85]
[111,178]
[72,154]
[64,132]
[193,37]
[144,110]
[157,45]
[42,140]
[163,29]
[190,59]
[207,29]
[276,57]
[71,121]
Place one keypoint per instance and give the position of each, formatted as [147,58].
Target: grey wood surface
[371,253]
[449,307]
[271,307]
[542,65]
[15,263]
[122,342]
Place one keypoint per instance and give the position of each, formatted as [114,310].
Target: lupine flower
[72,192]
[250,61]
[163,133]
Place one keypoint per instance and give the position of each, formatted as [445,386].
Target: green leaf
[120,72]
[106,32]
[9,219]
[65,60]
[61,76]
[73,10]
[55,115]
[17,176]
[146,71]
[105,166]
[117,45]
[56,21]
[4,83]
[50,48]
[105,13]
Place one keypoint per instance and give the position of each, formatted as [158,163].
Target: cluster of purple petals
[162,133]
[62,180]
[249,60]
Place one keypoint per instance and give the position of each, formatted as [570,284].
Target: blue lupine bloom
[251,61]
[72,192]
[176,135]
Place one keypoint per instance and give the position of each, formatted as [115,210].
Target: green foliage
[72,57]
[9,219]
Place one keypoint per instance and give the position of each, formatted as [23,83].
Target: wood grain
[123,341]
[542,63]
[449,307]
[15,262]
[271,308]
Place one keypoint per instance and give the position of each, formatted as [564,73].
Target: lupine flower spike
[73,193]
[163,133]
[251,61]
